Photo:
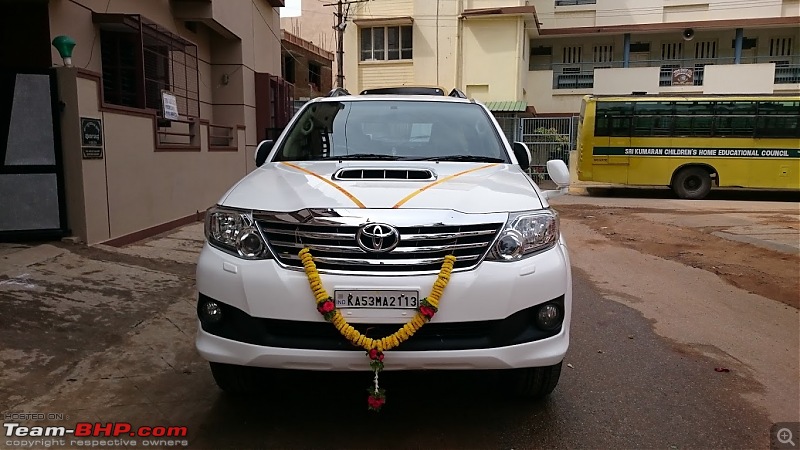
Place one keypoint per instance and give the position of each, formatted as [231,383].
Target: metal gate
[31,171]
[548,138]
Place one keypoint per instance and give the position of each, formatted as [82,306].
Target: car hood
[464,187]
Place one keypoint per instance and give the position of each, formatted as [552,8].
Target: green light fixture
[64,45]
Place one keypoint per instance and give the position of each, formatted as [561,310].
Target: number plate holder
[376,298]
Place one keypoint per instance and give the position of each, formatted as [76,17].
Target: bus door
[612,138]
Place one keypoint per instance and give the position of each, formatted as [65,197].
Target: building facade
[543,56]
[307,66]
[155,114]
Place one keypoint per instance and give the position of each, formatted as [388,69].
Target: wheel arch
[707,167]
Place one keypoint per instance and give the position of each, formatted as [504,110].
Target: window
[652,126]
[671,51]
[652,119]
[572,55]
[140,60]
[386,43]
[288,69]
[640,47]
[613,118]
[705,50]
[602,56]
[602,53]
[747,43]
[780,46]
[400,129]
[120,60]
[694,108]
[541,58]
[575,2]
[315,75]
[723,118]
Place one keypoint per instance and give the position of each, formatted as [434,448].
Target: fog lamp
[548,317]
[210,312]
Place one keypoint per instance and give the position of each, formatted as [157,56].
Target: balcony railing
[581,75]
[577,76]
[787,68]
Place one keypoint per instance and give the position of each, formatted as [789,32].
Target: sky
[292,9]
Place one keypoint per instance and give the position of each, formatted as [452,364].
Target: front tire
[536,382]
[692,183]
[238,380]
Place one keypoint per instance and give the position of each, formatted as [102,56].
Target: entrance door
[31,183]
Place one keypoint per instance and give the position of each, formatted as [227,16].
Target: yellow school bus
[691,142]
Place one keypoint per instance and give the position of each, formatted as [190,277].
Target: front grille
[420,249]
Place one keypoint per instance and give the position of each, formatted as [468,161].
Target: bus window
[653,108]
[736,108]
[652,126]
[620,126]
[615,108]
[693,125]
[777,127]
[787,108]
[734,126]
[702,125]
[613,118]
[694,108]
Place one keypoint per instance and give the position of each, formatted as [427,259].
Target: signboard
[682,77]
[169,105]
[91,132]
[91,138]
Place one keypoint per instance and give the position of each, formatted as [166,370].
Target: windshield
[393,129]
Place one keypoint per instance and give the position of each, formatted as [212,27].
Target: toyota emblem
[377,237]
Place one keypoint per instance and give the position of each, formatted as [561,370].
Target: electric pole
[341,23]
[339,45]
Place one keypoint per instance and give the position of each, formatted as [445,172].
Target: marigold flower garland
[427,308]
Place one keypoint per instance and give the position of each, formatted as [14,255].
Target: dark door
[31,183]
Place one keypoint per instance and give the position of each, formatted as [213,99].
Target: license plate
[377,299]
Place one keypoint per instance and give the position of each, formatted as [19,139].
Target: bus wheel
[692,183]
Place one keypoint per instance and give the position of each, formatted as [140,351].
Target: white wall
[739,79]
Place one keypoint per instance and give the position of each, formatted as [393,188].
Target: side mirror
[522,154]
[262,151]
[559,173]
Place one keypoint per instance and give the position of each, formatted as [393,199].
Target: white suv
[379,188]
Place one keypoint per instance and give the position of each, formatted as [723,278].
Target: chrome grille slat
[399,249]
[430,236]
[320,247]
[421,248]
[309,234]
[379,262]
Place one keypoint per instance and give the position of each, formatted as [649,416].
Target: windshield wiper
[363,156]
[460,158]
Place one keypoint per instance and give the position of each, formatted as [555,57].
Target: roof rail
[338,92]
[404,90]
[456,93]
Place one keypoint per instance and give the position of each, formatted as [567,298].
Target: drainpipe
[737,52]
[626,52]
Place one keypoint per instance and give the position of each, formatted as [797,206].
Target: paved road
[104,334]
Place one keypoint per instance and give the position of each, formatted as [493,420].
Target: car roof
[396,97]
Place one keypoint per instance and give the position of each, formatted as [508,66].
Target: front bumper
[492,293]
[534,354]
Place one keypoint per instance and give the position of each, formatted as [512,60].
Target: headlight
[524,234]
[235,232]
